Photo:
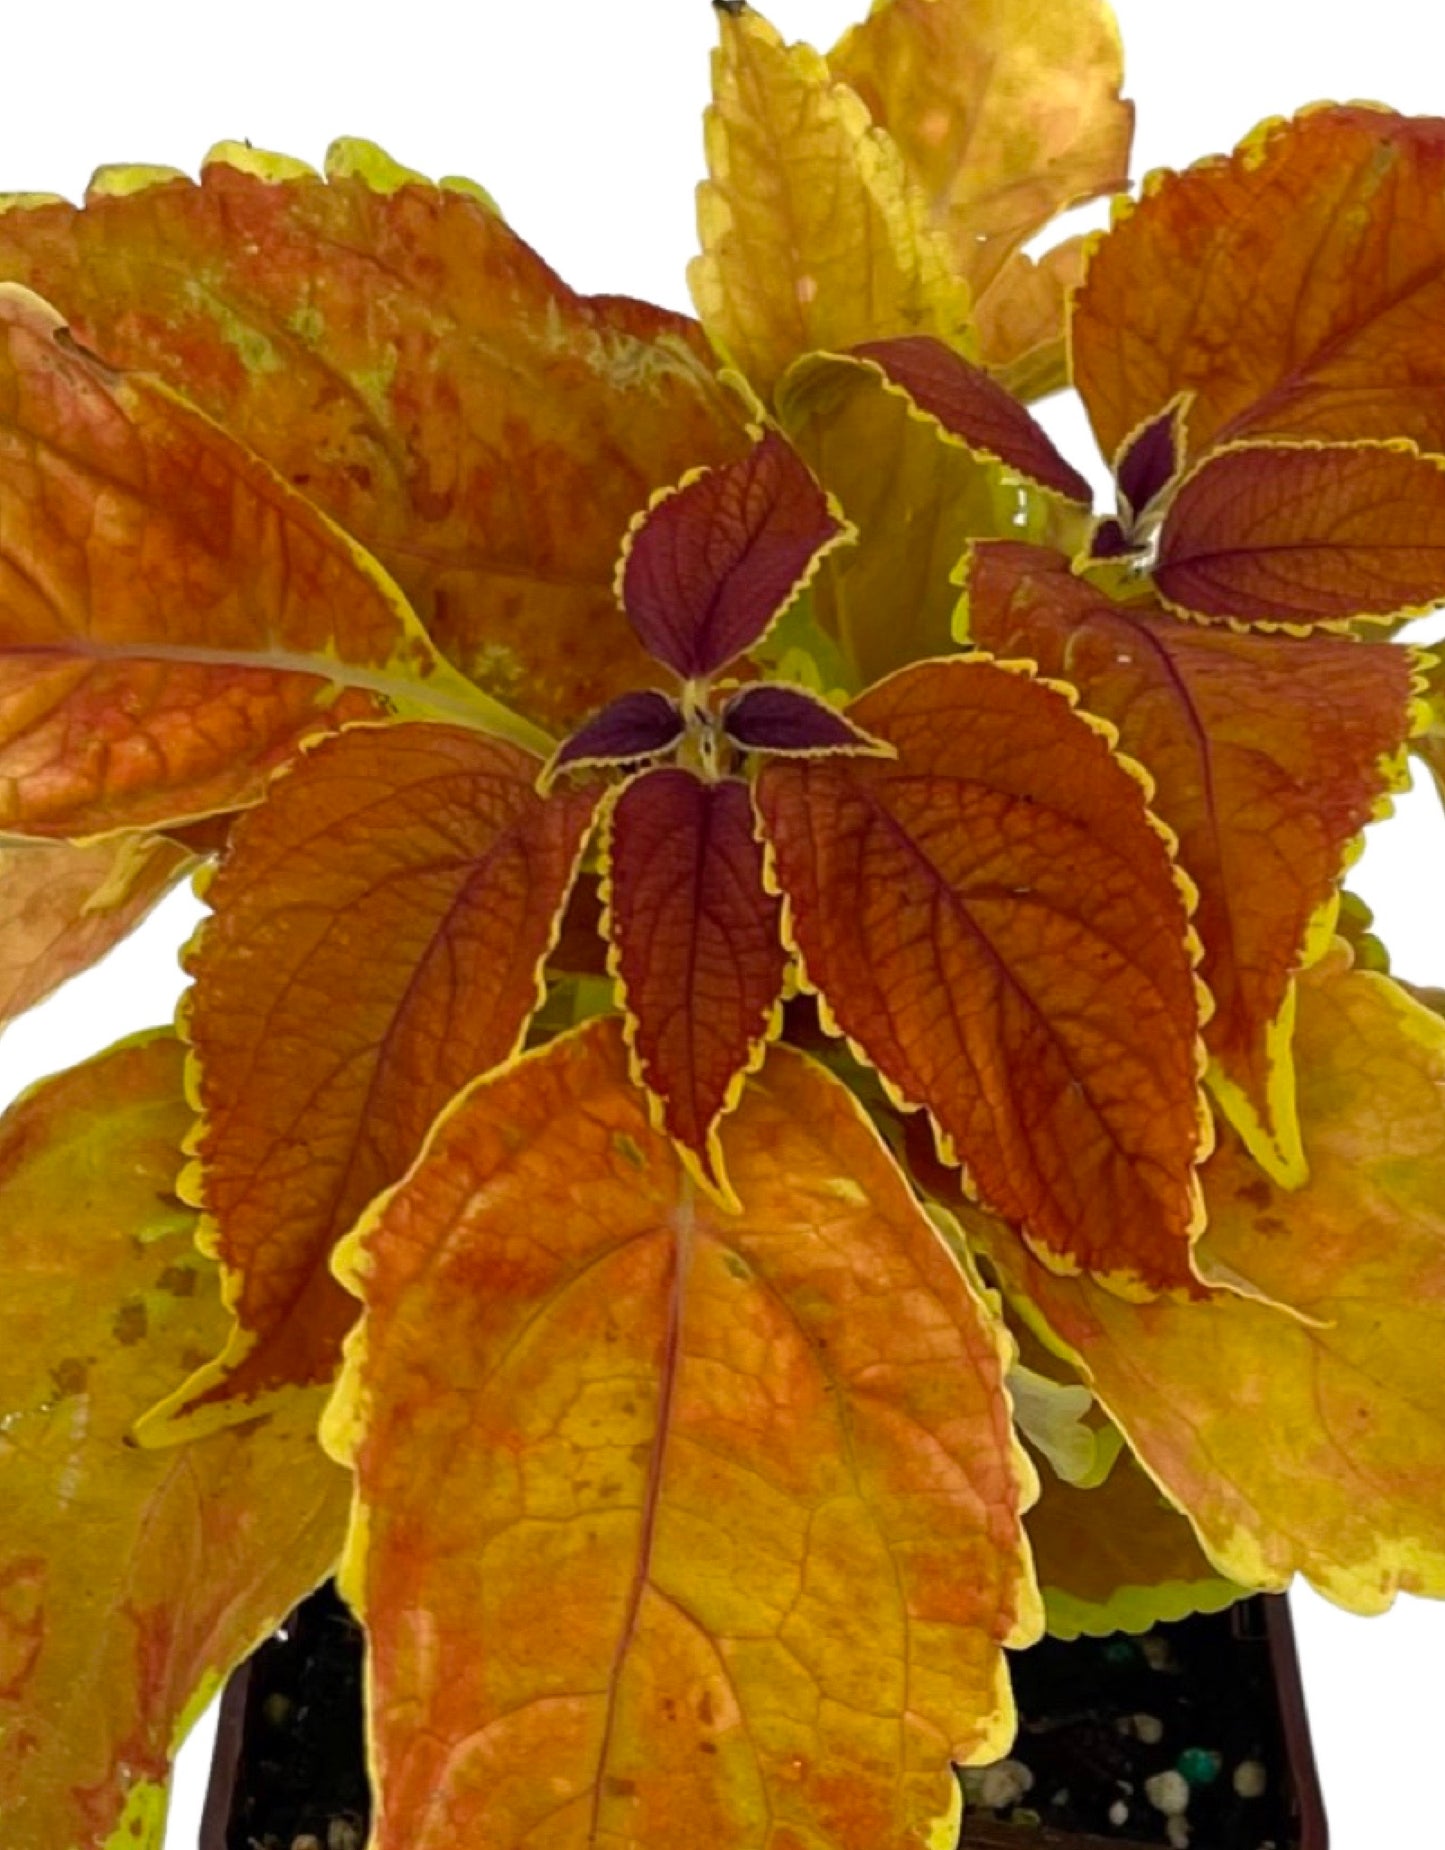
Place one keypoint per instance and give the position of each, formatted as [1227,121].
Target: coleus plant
[779,1083]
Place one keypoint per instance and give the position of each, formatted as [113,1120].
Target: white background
[581,116]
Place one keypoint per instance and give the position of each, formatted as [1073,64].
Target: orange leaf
[378,928]
[1022,320]
[719,1514]
[696,948]
[89,747]
[1292,289]
[62,908]
[1308,1438]
[133,526]
[1306,534]
[995,922]
[399,354]
[812,236]
[1003,115]
[131,1582]
[1269,754]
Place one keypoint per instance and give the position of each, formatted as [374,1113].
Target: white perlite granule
[1250,1779]
[1168,1792]
[998,1786]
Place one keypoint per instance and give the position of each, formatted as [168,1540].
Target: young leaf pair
[696,935]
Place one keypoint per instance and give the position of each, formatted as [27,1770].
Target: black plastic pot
[1224,1685]
[289,1760]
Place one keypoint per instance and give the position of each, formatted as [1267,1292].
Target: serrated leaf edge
[845,535]
[1251,151]
[1319,626]
[174,1420]
[861,745]
[346,1415]
[1126,1285]
[706,1167]
[813,362]
[1273,1137]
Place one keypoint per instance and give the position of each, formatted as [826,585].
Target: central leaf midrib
[958,904]
[682,1231]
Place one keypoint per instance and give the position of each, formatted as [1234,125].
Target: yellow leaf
[1118,1557]
[131,1582]
[1004,113]
[917,495]
[811,235]
[1022,320]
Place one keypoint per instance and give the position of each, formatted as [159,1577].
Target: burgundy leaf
[769,718]
[974,408]
[1150,459]
[697,947]
[633,726]
[712,563]
[1109,540]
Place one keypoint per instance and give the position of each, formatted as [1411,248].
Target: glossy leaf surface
[398,354]
[916,495]
[1337,1471]
[1293,289]
[975,409]
[62,907]
[1003,115]
[131,1582]
[994,920]
[711,564]
[377,933]
[697,946]
[1269,754]
[811,235]
[1284,533]
[726,1507]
